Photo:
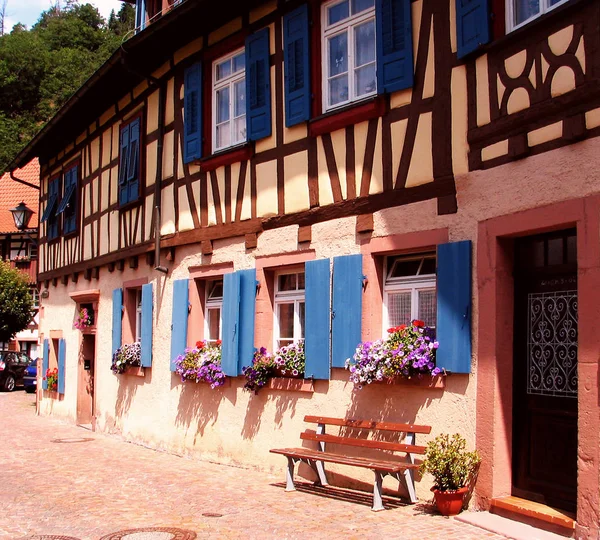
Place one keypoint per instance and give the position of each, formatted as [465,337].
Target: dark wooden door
[85,389]
[545,370]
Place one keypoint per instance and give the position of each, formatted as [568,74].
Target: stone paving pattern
[59,479]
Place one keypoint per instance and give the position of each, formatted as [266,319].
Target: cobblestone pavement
[59,479]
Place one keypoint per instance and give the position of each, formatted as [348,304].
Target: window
[49,216]
[33,250]
[68,204]
[129,162]
[349,66]
[35,296]
[138,315]
[214,304]
[289,308]
[410,290]
[229,101]
[520,12]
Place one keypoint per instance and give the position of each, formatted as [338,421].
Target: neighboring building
[429,158]
[20,246]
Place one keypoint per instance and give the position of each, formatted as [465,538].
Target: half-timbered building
[321,170]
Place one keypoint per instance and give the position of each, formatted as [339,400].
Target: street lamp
[21,214]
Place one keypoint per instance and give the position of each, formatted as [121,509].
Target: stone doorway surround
[495,287]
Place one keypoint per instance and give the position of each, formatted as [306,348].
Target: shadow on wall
[285,405]
[199,404]
[128,386]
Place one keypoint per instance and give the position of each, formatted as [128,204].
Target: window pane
[572,249]
[284,342]
[223,70]
[239,129]
[524,9]
[555,251]
[338,54]
[338,90]
[216,289]
[365,80]
[223,105]
[301,281]
[214,323]
[286,320]
[403,268]
[361,5]
[287,282]
[223,135]
[239,105]
[364,41]
[301,313]
[399,311]
[239,62]
[428,266]
[427,307]
[338,12]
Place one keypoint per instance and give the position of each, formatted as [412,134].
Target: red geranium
[418,323]
[200,344]
[218,343]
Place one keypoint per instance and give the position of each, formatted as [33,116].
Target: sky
[29,11]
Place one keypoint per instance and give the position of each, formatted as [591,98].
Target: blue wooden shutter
[192,132]
[296,66]
[147,305]
[453,328]
[123,162]
[347,307]
[117,326]
[394,45]
[472,25]
[67,206]
[318,318]
[133,168]
[179,320]
[45,363]
[61,365]
[231,321]
[258,85]
[246,324]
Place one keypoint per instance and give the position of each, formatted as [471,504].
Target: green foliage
[42,67]
[15,301]
[448,461]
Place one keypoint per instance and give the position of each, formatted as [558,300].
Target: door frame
[495,301]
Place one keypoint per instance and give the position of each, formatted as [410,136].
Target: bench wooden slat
[367,424]
[365,443]
[378,465]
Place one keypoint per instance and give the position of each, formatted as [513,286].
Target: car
[30,377]
[13,365]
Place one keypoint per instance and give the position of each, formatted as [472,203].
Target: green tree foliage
[15,301]
[42,67]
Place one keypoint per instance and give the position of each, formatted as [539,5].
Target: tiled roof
[12,193]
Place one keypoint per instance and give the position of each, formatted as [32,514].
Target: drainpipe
[13,177]
[158,180]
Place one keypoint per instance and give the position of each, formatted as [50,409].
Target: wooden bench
[382,466]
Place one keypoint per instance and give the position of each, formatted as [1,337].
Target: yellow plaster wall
[560,41]
[325,192]
[545,134]
[296,186]
[189,49]
[376,185]
[515,65]
[421,164]
[495,150]
[152,113]
[225,30]
[262,11]
[483,100]
[563,81]
[266,189]
[167,211]
[460,146]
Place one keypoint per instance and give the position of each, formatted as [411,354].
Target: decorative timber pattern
[289,178]
[537,88]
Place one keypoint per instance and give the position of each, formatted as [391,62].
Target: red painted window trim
[227,157]
[352,114]
[498,18]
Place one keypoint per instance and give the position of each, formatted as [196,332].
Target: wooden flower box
[290,384]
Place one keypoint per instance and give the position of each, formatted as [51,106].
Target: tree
[15,301]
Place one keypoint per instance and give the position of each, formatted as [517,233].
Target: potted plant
[408,351]
[290,360]
[52,379]
[83,320]
[201,364]
[127,355]
[262,369]
[452,467]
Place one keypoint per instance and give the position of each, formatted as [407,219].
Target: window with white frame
[409,290]
[229,101]
[214,305]
[520,12]
[349,64]
[138,315]
[289,308]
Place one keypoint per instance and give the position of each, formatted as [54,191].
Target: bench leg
[377,500]
[321,472]
[409,482]
[289,476]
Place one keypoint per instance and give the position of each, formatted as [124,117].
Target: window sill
[226,157]
[134,371]
[292,385]
[429,383]
[130,205]
[346,116]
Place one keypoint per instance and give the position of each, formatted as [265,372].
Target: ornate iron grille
[552,344]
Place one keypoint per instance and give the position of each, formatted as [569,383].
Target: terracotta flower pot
[449,503]
[279,372]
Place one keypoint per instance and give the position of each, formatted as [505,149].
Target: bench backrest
[408,429]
